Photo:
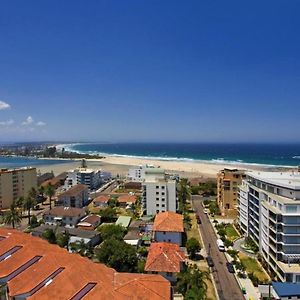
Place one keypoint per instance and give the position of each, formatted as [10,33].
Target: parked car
[210,261]
[205,211]
[230,267]
[198,219]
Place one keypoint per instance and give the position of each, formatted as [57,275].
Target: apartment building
[269,212]
[76,196]
[159,192]
[91,178]
[15,183]
[228,181]
[137,174]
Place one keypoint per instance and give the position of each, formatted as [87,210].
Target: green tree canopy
[49,235]
[13,216]
[192,247]
[118,255]
[112,231]
[62,239]
[108,214]
[191,283]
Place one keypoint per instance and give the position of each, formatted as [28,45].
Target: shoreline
[191,169]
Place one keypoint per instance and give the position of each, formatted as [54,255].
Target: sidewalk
[251,291]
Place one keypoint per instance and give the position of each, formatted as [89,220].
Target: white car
[205,211]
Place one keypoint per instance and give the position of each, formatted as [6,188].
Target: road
[227,286]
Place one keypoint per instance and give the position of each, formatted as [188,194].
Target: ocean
[18,162]
[286,155]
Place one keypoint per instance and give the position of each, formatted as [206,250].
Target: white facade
[138,174]
[159,192]
[91,178]
[269,212]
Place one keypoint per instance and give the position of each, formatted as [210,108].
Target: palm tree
[29,204]
[13,217]
[20,203]
[50,192]
[41,191]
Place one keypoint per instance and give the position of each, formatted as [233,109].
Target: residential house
[32,268]
[126,200]
[165,259]
[89,222]
[77,196]
[101,201]
[64,216]
[168,227]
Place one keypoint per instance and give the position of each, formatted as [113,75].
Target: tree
[192,247]
[29,204]
[112,231]
[20,203]
[118,255]
[81,247]
[34,222]
[50,192]
[49,235]
[62,239]
[108,214]
[191,283]
[13,216]
[41,191]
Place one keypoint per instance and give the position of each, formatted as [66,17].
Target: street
[227,286]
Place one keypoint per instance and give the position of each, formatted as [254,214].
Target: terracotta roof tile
[164,257]
[127,199]
[168,221]
[102,199]
[77,273]
[74,190]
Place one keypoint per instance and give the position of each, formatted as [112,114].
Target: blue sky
[221,71]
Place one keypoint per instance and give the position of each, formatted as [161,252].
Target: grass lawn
[193,231]
[252,266]
[231,233]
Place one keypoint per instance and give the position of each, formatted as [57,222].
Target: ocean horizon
[278,155]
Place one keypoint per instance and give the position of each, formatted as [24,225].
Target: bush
[192,247]
[233,253]
[228,243]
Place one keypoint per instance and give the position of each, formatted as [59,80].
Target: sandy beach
[120,165]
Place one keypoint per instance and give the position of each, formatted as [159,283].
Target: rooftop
[40,270]
[168,221]
[127,199]
[164,257]
[123,221]
[290,180]
[74,191]
[5,170]
[89,221]
[284,289]
[102,199]
[65,211]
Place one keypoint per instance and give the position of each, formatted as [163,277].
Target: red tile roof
[89,222]
[74,190]
[164,257]
[73,273]
[168,221]
[102,199]
[127,199]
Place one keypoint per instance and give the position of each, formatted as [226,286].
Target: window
[157,205]
[163,199]
[162,205]
[162,187]
[169,274]
[157,193]
[157,187]
[163,193]
[157,199]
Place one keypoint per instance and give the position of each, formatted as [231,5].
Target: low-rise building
[123,221]
[91,238]
[76,196]
[165,259]
[101,201]
[64,216]
[168,227]
[89,222]
[126,200]
[31,268]
[228,181]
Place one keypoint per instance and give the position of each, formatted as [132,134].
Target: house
[280,291]
[123,221]
[168,227]
[165,259]
[125,200]
[76,196]
[32,268]
[89,222]
[65,216]
[101,201]
[134,235]
[89,237]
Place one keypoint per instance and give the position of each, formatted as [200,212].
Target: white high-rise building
[159,192]
[137,174]
[91,178]
[269,212]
